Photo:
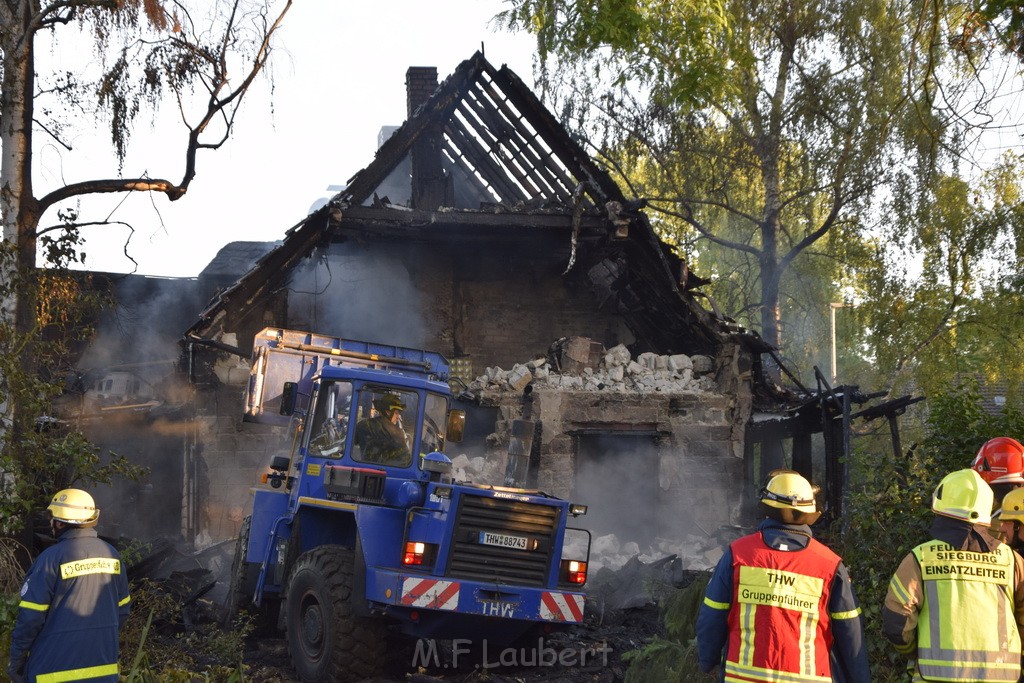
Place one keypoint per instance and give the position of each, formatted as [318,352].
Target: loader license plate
[504,540]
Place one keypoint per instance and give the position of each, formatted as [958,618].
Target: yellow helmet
[74,506]
[1013,506]
[792,496]
[964,495]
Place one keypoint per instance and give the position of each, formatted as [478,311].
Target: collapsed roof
[489,162]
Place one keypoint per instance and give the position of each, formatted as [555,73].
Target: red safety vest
[779,622]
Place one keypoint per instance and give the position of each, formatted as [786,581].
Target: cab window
[435,416]
[385,426]
[329,425]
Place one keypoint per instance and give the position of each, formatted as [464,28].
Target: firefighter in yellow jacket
[955,606]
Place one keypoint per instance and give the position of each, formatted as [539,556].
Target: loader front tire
[240,591]
[327,642]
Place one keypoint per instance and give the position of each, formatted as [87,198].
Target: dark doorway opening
[617,477]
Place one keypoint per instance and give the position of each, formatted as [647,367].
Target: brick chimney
[428,177]
[420,84]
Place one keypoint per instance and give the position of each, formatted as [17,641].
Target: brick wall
[699,479]
[497,306]
[512,306]
[231,457]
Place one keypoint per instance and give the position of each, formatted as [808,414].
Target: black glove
[16,669]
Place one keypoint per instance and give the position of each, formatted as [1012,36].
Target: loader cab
[377,424]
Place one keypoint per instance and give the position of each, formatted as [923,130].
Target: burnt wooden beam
[266,274]
[484,134]
[784,427]
[437,108]
[484,164]
[616,428]
[486,83]
[374,219]
[462,170]
[469,169]
[518,142]
[568,150]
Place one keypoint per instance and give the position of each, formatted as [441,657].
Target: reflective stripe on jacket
[779,622]
[74,599]
[966,630]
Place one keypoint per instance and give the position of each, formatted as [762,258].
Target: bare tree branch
[52,134]
[224,108]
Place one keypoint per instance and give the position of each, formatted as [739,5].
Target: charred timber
[403,222]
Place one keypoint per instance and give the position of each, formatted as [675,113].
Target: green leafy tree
[1001,20]
[203,57]
[943,299]
[50,453]
[761,129]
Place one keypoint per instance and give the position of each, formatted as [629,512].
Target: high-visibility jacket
[779,621]
[966,629]
[74,599]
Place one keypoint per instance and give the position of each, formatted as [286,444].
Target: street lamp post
[832,316]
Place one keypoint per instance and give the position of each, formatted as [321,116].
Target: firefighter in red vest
[1000,462]
[780,606]
[955,606]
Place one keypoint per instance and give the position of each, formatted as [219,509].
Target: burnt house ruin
[484,231]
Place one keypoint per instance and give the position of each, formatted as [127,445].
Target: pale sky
[339,77]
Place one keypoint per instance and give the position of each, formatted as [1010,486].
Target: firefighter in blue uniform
[74,600]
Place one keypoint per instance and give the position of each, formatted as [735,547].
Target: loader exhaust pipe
[519,445]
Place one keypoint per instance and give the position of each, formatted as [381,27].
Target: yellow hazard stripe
[321,503]
[33,605]
[851,614]
[124,602]
[715,605]
[90,565]
[78,674]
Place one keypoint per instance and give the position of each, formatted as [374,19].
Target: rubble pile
[695,553]
[478,469]
[593,369]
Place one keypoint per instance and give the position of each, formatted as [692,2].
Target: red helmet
[1000,461]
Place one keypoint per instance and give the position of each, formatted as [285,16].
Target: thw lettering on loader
[505,610]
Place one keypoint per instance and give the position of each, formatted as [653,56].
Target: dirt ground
[621,616]
[591,652]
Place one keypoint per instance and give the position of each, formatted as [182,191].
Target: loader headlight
[575,509]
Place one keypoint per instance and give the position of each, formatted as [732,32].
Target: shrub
[674,657]
[890,503]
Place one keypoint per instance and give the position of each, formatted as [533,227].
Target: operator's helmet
[789,498]
[1000,461]
[964,495]
[1013,506]
[388,402]
[74,506]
